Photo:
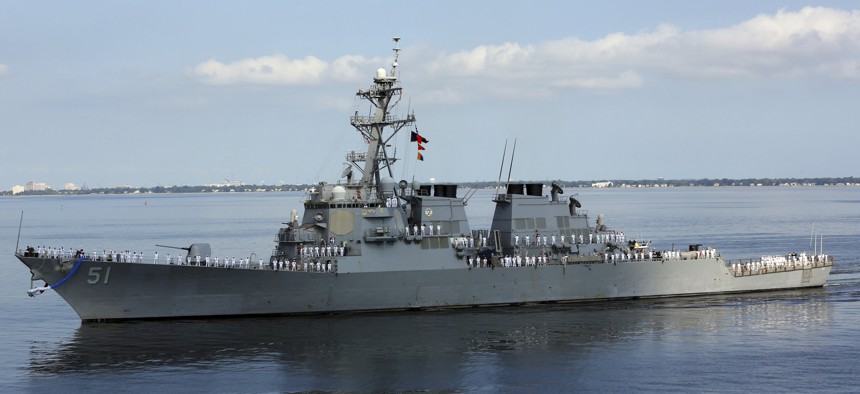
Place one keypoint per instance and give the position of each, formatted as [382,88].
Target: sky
[161,93]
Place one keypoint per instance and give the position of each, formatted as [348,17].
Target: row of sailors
[606,237]
[649,255]
[468,242]
[671,254]
[459,242]
[137,257]
[541,260]
[777,263]
[227,262]
[322,251]
[105,255]
[803,257]
[392,202]
[635,256]
[279,265]
[533,261]
[510,261]
[206,261]
[539,240]
[580,239]
[707,253]
[761,266]
[51,252]
[423,230]
[292,265]
[524,261]
[475,262]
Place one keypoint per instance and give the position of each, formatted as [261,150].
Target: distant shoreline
[618,183]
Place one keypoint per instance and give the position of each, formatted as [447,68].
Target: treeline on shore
[839,181]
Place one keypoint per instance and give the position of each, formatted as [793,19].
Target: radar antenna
[396,55]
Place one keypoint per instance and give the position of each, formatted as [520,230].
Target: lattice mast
[384,96]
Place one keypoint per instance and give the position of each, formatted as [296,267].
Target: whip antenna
[501,168]
[511,167]
[19,231]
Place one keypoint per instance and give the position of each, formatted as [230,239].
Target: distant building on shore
[31,187]
[37,186]
[227,183]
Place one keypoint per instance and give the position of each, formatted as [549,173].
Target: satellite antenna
[347,173]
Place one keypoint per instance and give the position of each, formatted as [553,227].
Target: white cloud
[275,69]
[279,70]
[807,42]
[4,69]
[351,68]
[484,60]
[811,41]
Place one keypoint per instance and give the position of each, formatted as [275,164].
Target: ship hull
[101,291]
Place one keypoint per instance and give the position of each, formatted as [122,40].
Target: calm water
[779,341]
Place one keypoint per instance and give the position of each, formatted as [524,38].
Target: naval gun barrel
[174,247]
[196,249]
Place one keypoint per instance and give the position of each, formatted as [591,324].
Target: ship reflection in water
[580,346]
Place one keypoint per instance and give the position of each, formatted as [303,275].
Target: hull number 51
[95,275]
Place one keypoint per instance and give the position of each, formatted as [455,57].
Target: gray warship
[370,243]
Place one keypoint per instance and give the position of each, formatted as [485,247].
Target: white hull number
[95,275]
